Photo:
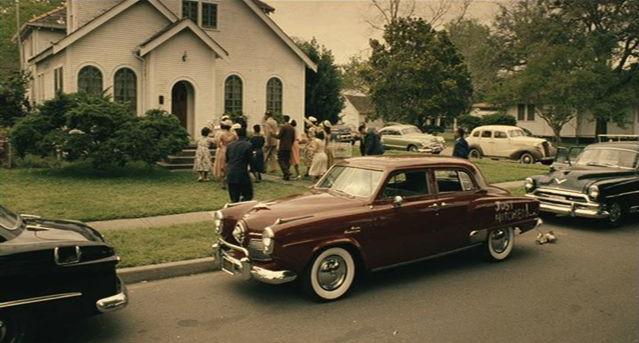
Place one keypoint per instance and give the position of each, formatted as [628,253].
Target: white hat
[224,117]
[227,122]
[312,119]
[327,123]
[236,126]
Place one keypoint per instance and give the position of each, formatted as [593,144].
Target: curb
[168,270]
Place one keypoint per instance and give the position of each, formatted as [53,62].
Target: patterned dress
[221,143]
[202,162]
[307,153]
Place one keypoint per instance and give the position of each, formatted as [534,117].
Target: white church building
[198,59]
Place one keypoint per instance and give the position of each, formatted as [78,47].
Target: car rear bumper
[114,302]
[245,269]
[570,208]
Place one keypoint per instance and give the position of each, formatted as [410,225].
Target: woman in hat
[225,138]
[328,138]
[307,152]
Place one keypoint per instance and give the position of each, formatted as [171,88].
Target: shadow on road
[584,224]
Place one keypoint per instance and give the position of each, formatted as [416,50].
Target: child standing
[202,162]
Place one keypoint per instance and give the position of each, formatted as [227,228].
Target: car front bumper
[114,302]
[567,207]
[244,268]
[433,149]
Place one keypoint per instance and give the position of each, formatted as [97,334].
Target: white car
[411,138]
[509,142]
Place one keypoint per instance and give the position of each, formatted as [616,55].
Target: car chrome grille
[560,196]
[546,149]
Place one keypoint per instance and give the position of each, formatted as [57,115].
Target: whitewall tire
[499,243]
[474,153]
[330,274]
[527,158]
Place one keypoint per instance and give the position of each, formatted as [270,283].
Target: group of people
[370,141]
[237,155]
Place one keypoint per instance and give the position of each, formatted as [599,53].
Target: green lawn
[504,171]
[139,247]
[77,193]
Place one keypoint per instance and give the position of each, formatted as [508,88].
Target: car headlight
[593,192]
[267,240]
[217,220]
[239,232]
[529,184]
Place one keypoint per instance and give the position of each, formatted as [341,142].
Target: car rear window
[449,180]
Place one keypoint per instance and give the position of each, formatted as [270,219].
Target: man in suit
[269,126]
[461,148]
[238,157]
[286,137]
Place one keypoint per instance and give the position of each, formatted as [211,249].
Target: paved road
[584,288]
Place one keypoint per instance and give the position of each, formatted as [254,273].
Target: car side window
[500,134]
[406,184]
[450,180]
[486,134]
[389,133]
[476,133]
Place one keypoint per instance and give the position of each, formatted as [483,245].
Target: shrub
[152,137]
[469,122]
[499,119]
[81,127]
[434,129]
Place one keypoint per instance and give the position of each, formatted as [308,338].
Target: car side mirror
[397,201]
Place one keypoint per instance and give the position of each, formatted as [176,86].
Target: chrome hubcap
[499,240]
[527,159]
[615,212]
[331,273]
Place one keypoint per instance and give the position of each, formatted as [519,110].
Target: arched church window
[90,80]
[125,88]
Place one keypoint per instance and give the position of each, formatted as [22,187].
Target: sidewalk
[197,217]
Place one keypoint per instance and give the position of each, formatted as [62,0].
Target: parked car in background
[367,214]
[342,133]
[509,142]
[411,138]
[602,182]
[54,268]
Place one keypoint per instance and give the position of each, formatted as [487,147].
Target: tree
[13,98]
[433,11]
[418,74]
[475,42]
[356,74]
[8,48]
[569,58]
[323,98]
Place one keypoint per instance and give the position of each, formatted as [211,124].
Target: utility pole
[18,32]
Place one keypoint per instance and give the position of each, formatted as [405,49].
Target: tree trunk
[556,130]
[601,127]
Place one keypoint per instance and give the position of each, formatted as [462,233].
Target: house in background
[582,126]
[357,110]
[197,59]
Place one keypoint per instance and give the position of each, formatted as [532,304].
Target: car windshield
[517,133]
[614,158]
[351,181]
[8,219]
[411,130]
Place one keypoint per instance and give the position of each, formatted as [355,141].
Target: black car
[56,268]
[601,182]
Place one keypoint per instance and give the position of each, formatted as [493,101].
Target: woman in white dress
[320,159]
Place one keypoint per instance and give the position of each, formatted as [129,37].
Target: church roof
[55,19]
[171,30]
[362,103]
[261,9]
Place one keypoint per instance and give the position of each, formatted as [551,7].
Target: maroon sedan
[367,214]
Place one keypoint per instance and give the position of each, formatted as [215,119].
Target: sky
[341,25]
